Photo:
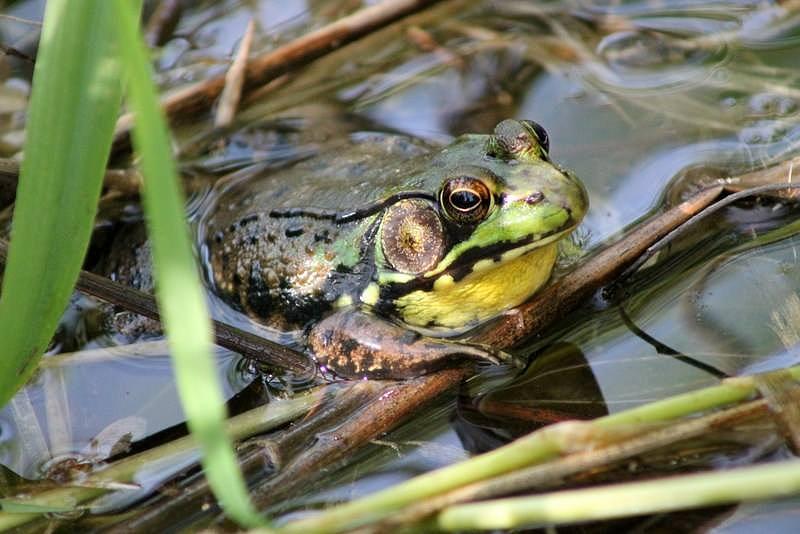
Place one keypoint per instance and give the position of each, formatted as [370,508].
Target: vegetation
[75,102]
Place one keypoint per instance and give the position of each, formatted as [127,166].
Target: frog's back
[273,249]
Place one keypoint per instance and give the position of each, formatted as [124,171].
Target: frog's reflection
[558,385]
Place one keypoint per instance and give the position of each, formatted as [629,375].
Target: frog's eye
[465,199]
[541,134]
[522,140]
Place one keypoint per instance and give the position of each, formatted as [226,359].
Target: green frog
[383,248]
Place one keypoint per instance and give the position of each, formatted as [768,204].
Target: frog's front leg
[356,344]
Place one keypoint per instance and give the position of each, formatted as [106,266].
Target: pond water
[639,98]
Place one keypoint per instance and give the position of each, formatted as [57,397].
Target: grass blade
[659,495]
[178,289]
[74,103]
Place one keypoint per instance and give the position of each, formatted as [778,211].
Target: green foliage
[179,292]
[74,104]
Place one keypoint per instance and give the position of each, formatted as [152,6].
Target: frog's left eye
[465,199]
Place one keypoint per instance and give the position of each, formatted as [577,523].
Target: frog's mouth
[479,259]
[476,259]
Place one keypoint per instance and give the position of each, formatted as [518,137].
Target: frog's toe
[492,355]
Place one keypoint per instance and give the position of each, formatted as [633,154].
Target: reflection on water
[558,385]
[97,403]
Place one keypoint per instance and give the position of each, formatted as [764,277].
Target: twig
[234,79]
[785,172]
[706,212]
[775,480]
[163,22]
[127,181]
[247,344]
[375,418]
[262,69]
[13,52]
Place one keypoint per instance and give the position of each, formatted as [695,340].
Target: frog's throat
[481,294]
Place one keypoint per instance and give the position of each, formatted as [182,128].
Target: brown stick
[565,294]
[127,180]
[225,335]
[234,79]
[199,98]
[372,421]
[247,344]
[163,22]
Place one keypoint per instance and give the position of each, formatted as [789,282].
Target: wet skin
[382,248]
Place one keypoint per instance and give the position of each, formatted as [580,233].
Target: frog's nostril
[534,198]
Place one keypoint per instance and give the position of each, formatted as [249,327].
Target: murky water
[639,98]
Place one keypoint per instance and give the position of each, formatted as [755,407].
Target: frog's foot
[356,344]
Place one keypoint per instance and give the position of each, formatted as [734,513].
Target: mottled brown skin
[128,262]
[288,271]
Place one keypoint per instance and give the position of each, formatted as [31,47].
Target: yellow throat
[487,290]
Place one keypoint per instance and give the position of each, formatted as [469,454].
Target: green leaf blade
[178,288]
[74,104]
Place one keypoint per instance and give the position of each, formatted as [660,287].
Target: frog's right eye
[522,140]
[465,199]
[540,132]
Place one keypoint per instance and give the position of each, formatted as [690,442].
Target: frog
[383,251]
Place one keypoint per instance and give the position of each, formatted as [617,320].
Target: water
[640,99]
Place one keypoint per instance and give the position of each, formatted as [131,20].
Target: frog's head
[485,239]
